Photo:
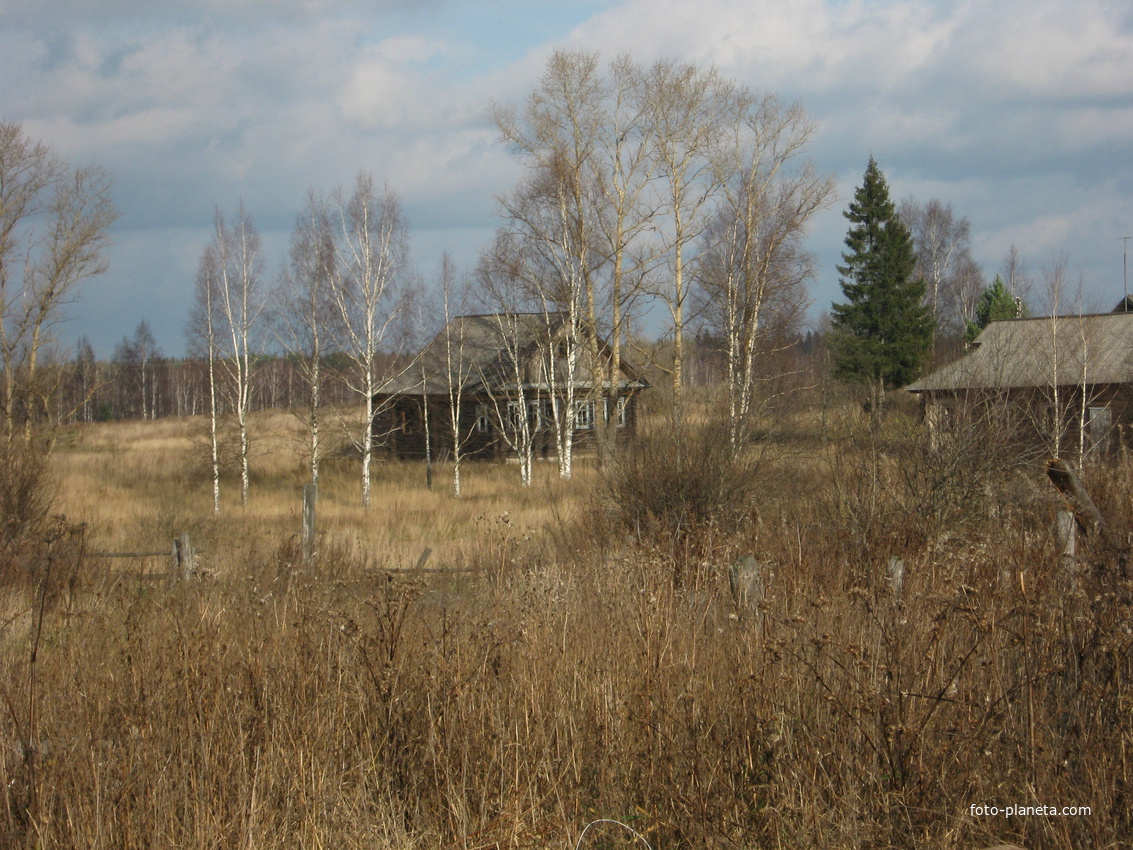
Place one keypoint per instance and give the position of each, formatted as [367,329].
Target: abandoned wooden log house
[1064,383]
[504,373]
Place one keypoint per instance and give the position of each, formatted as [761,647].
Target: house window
[621,411]
[535,415]
[584,415]
[547,411]
[515,416]
[1099,427]
[483,423]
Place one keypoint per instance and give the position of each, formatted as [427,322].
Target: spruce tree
[882,335]
[995,303]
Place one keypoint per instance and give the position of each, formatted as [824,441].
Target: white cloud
[1020,113]
[1052,49]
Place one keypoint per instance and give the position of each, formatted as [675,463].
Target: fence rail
[180,556]
[127,554]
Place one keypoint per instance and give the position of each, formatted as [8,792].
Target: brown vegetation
[587,669]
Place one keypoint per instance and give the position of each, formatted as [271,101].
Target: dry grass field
[136,485]
[580,654]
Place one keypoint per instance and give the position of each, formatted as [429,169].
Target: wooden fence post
[895,572]
[310,496]
[1066,539]
[1065,534]
[745,577]
[182,556]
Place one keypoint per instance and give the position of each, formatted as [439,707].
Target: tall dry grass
[574,678]
[136,485]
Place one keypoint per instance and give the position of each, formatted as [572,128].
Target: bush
[25,495]
[37,547]
[681,479]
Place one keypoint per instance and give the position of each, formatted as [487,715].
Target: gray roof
[484,349]
[1060,350]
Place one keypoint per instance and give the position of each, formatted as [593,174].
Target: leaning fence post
[310,496]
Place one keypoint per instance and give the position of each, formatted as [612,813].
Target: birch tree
[203,339]
[85,381]
[459,365]
[580,208]
[554,220]
[371,253]
[518,324]
[623,174]
[755,269]
[1014,272]
[942,242]
[305,314]
[686,109]
[544,259]
[1069,355]
[54,229]
[240,304]
[626,169]
[510,406]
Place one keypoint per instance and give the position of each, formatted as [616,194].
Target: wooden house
[506,367]
[1065,382]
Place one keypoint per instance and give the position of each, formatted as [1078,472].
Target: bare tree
[686,109]
[54,228]
[202,333]
[137,385]
[554,220]
[85,381]
[544,258]
[968,287]
[754,269]
[944,261]
[583,137]
[305,316]
[459,366]
[506,285]
[628,167]
[230,303]
[369,294]
[512,408]
[241,304]
[1014,274]
[624,174]
[1069,354]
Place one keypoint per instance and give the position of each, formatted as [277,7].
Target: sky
[1017,113]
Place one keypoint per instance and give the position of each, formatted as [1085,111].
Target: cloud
[36,14]
[1020,113]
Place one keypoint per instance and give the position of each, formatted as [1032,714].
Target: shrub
[25,494]
[680,479]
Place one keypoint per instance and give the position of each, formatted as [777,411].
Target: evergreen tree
[883,333]
[995,303]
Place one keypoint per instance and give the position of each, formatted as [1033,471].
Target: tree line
[139,382]
[645,188]
[651,195]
